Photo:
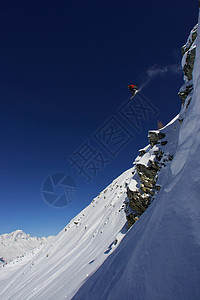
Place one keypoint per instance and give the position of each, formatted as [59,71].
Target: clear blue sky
[65,67]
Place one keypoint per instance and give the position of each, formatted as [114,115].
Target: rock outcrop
[147,165]
[141,191]
[185,92]
[155,136]
[188,52]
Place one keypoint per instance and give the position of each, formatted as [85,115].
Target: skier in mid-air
[133,88]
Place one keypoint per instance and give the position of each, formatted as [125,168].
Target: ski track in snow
[60,267]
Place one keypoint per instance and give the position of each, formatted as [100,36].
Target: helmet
[132,86]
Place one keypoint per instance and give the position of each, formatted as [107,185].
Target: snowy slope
[59,268]
[8,269]
[18,243]
[159,258]
[94,257]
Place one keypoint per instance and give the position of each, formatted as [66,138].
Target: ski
[137,91]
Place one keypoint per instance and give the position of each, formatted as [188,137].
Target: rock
[159,154]
[189,63]
[154,137]
[185,48]
[147,173]
[188,103]
[190,40]
[142,152]
[183,94]
[131,219]
[157,187]
[189,52]
[140,199]
[170,157]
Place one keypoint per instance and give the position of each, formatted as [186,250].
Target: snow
[159,258]
[189,40]
[147,157]
[59,268]
[95,257]
[191,45]
[18,243]
[133,185]
[7,269]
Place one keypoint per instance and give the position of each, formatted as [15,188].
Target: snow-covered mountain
[59,269]
[98,256]
[17,243]
[159,258]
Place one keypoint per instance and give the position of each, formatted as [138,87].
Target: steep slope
[17,243]
[57,271]
[159,258]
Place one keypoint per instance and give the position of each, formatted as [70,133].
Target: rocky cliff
[159,258]
[152,159]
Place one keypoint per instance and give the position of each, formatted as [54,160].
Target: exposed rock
[141,195]
[138,203]
[190,41]
[185,48]
[150,160]
[146,172]
[142,152]
[163,143]
[183,94]
[188,103]
[154,137]
[188,52]
[159,154]
[157,187]
[189,63]
[140,199]
[131,219]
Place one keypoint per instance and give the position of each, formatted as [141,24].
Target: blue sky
[65,67]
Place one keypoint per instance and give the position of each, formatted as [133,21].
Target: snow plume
[155,71]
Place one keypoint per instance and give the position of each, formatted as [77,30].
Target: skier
[133,88]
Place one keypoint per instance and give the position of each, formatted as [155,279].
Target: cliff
[159,258]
